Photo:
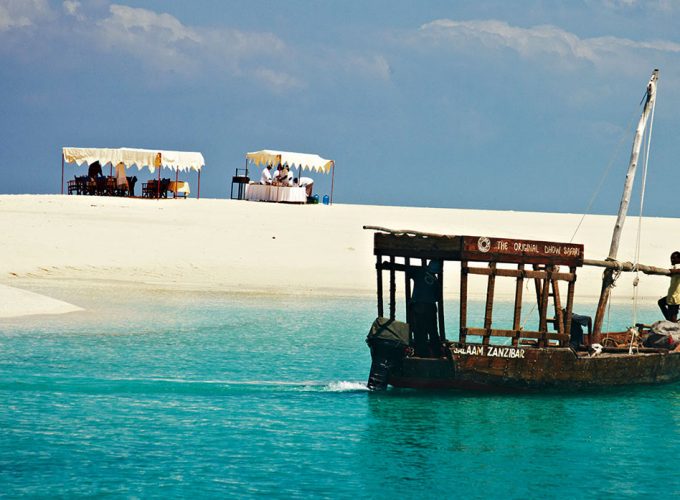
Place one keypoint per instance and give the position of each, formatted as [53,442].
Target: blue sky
[489,105]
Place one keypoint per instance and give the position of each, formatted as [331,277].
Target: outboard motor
[388,340]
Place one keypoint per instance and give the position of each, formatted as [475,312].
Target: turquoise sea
[164,395]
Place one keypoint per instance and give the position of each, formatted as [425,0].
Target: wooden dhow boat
[416,352]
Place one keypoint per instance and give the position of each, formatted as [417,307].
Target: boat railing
[539,262]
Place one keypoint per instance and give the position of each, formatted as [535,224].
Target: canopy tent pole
[174,194]
[246,167]
[332,180]
[198,194]
[62,173]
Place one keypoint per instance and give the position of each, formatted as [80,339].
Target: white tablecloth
[179,187]
[261,192]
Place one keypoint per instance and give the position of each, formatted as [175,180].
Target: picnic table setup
[97,184]
[285,192]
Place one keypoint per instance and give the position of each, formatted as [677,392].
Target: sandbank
[15,302]
[263,248]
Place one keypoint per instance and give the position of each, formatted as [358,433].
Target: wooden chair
[82,185]
[150,189]
[100,183]
[111,186]
[90,186]
[121,190]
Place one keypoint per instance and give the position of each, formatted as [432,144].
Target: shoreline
[264,249]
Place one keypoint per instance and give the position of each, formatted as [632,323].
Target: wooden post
[462,335]
[538,284]
[557,305]
[407,288]
[198,193]
[517,316]
[332,181]
[440,306]
[570,301]
[174,195]
[608,277]
[543,312]
[557,302]
[488,311]
[393,289]
[62,173]
[378,268]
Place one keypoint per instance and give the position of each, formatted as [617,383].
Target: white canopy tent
[141,158]
[302,161]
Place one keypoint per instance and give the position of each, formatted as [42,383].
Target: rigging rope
[617,149]
[594,197]
[639,229]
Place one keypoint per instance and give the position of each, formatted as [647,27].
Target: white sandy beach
[264,248]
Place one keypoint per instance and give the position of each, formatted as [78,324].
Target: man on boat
[423,308]
[671,302]
[578,321]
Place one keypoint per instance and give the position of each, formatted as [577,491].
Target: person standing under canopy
[287,179]
[307,183]
[266,177]
[423,306]
[121,179]
[278,175]
[95,170]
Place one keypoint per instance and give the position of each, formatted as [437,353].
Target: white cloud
[164,43]
[147,25]
[22,13]
[499,34]
[332,62]
[278,80]
[132,39]
[73,8]
[613,44]
[658,5]
[373,66]
[538,41]
[617,4]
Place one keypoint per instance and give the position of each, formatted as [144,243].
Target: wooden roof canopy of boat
[540,261]
[406,243]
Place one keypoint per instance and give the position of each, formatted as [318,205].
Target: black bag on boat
[664,334]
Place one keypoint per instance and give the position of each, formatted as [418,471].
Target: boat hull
[519,369]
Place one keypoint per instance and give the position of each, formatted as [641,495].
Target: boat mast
[608,275]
